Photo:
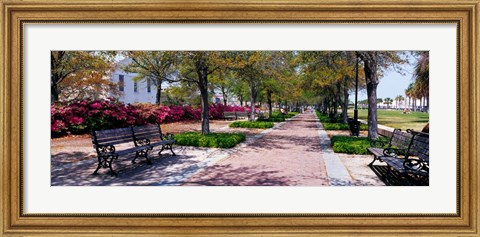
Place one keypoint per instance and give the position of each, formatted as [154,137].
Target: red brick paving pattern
[287,156]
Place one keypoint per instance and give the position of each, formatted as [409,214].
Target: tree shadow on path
[226,175]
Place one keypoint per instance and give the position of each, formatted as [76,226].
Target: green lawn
[396,118]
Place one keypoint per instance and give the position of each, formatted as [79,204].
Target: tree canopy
[290,79]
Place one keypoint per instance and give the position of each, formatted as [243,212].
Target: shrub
[350,145]
[291,114]
[220,140]
[249,124]
[272,119]
[280,115]
[277,114]
[342,126]
[325,120]
[83,116]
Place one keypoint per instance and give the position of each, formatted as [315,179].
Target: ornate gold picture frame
[465,14]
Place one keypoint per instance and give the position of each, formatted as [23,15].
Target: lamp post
[355,125]
[355,111]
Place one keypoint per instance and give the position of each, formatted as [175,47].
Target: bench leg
[142,153]
[171,149]
[100,159]
[106,162]
[160,152]
[110,165]
[168,146]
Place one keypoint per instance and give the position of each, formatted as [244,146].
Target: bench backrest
[112,136]
[228,114]
[400,139]
[241,114]
[420,146]
[150,131]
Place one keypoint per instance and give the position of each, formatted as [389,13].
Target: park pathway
[298,153]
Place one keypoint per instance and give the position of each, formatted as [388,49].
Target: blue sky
[391,84]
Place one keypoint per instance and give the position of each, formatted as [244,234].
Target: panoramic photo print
[239,118]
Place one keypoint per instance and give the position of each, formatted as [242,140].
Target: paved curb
[337,173]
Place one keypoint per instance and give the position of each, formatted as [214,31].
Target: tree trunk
[269,101]
[370,69]
[54,92]
[224,94]
[241,100]
[372,111]
[203,86]
[53,80]
[345,105]
[159,94]
[253,95]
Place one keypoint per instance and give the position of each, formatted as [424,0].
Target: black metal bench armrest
[142,142]
[378,143]
[415,165]
[169,136]
[105,149]
[394,152]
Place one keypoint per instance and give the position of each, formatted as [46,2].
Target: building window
[121,83]
[135,86]
[149,85]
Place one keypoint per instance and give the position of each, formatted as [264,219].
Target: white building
[231,100]
[140,91]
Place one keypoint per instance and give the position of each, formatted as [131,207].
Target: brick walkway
[289,155]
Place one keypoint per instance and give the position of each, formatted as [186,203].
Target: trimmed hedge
[219,140]
[291,114]
[249,124]
[272,119]
[350,145]
[342,126]
[325,120]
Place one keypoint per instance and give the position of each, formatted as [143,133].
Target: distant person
[406,111]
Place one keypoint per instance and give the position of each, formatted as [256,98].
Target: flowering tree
[80,74]
[86,115]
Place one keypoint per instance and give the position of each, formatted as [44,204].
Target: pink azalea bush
[83,116]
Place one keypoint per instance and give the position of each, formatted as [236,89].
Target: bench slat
[124,138]
[113,132]
[131,150]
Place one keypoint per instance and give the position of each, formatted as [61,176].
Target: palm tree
[399,99]
[388,101]
[421,76]
[409,94]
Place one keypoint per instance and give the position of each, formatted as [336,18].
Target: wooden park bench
[151,135]
[399,140]
[415,162]
[229,115]
[242,115]
[106,144]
